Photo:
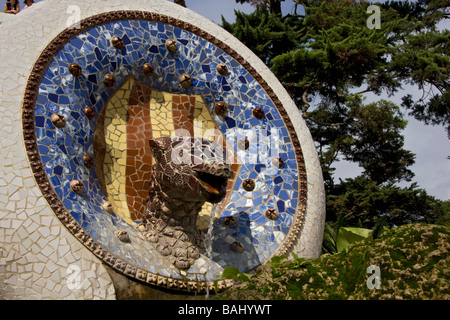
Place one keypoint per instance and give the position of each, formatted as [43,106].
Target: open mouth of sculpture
[215,185]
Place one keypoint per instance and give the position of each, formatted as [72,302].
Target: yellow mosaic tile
[161,114]
[203,119]
[116,149]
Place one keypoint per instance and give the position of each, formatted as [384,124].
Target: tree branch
[181,2]
[305,101]
[361,92]
[319,123]
[325,124]
[292,84]
[340,95]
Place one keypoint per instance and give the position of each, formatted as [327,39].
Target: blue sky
[429,143]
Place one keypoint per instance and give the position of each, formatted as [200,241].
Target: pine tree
[330,60]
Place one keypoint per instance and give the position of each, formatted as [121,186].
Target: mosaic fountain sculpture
[178,192]
[105,102]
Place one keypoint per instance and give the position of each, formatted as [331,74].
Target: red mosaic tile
[183,108]
[139,131]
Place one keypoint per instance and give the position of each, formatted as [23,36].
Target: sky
[429,143]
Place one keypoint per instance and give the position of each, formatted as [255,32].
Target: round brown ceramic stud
[220,108]
[109,80]
[258,113]
[185,80]
[89,112]
[237,247]
[229,221]
[117,43]
[278,162]
[122,235]
[171,45]
[148,69]
[222,69]
[88,161]
[243,144]
[77,186]
[107,206]
[271,214]
[248,184]
[58,120]
[75,69]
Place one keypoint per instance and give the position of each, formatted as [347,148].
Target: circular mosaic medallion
[95,98]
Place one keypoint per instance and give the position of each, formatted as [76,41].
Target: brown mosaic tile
[183,108]
[139,159]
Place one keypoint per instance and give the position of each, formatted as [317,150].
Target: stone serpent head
[191,169]
[187,173]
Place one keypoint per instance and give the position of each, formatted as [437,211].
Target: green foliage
[299,262]
[441,213]
[338,238]
[379,228]
[232,273]
[363,203]
[275,262]
[266,35]
[329,243]
[413,261]
[376,143]
[350,235]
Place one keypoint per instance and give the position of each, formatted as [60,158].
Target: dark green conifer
[330,60]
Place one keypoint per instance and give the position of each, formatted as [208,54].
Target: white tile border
[36,250]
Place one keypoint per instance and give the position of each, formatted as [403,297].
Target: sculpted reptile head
[187,173]
[191,169]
